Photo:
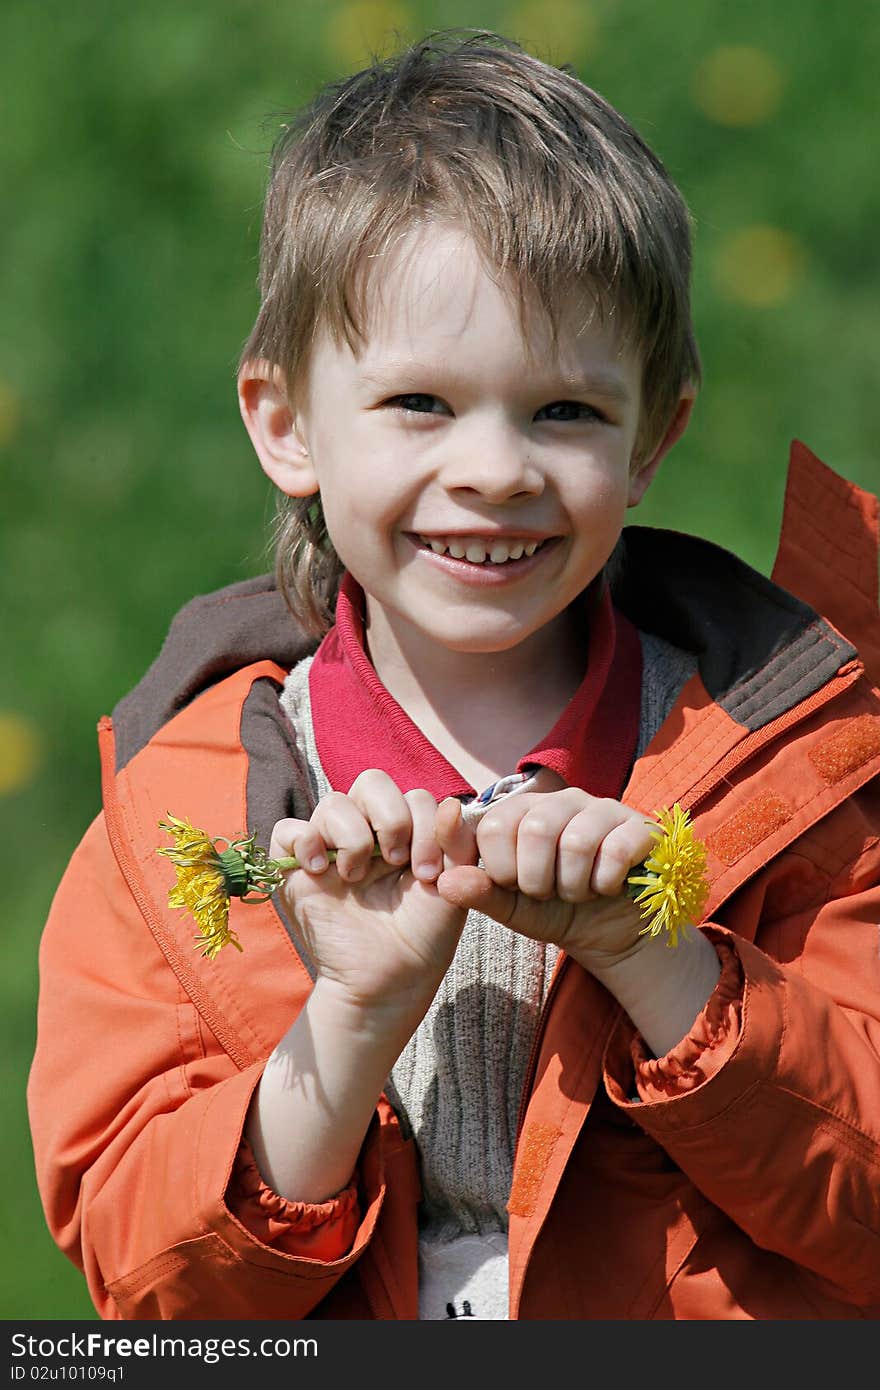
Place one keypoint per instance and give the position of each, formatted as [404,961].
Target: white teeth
[478,552]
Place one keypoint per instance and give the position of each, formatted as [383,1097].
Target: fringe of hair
[307,568]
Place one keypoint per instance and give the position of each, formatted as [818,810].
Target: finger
[517,838]
[385,808]
[624,846]
[299,839]
[426,856]
[342,825]
[537,846]
[497,835]
[457,839]
[576,854]
[594,849]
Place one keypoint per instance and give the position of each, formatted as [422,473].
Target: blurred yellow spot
[738,85]
[19,752]
[363,29]
[559,31]
[10,413]
[759,266]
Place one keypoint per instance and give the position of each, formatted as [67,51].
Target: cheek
[603,502]
[359,520]
[598,520]
[369,490]
[358,503]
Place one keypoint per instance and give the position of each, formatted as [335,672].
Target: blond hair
[553,184]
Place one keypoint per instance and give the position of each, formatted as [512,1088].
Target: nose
[492,460]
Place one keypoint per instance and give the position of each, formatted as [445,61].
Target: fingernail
[398,855]
[316,863]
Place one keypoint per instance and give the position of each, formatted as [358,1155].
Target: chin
[476,643]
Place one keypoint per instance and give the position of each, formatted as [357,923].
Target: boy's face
[472,483]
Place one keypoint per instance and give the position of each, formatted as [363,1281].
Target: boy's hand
[553,867]
[380,934]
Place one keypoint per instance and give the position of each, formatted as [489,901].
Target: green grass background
[132,155]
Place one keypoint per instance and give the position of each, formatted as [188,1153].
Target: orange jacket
[748,1187]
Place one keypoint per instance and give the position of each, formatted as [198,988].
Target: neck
[482,710]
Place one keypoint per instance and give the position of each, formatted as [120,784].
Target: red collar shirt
[359,725]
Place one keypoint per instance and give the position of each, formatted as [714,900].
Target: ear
[643,473]
[274,429]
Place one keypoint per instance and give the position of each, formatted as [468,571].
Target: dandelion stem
[669,887]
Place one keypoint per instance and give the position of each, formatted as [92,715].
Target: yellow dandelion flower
[207,877]
[201,888]
[670,886]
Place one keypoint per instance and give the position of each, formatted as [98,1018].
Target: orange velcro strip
[748,826]
[848,749]
[535,1150]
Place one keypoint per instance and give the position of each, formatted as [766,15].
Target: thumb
[456,838]
[470,887]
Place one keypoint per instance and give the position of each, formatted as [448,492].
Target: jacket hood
[211,637]
[761,650]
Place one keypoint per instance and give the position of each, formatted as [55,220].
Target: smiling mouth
[489,550]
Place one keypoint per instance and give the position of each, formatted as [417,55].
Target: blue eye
[564,411]
[416,403]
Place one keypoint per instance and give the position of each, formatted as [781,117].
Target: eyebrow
[389,375]
[606,384]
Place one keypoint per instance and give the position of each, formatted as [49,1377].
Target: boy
[457,1072]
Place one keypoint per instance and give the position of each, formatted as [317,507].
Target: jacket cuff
[310,1230]
[222,1130]
[634,1075]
